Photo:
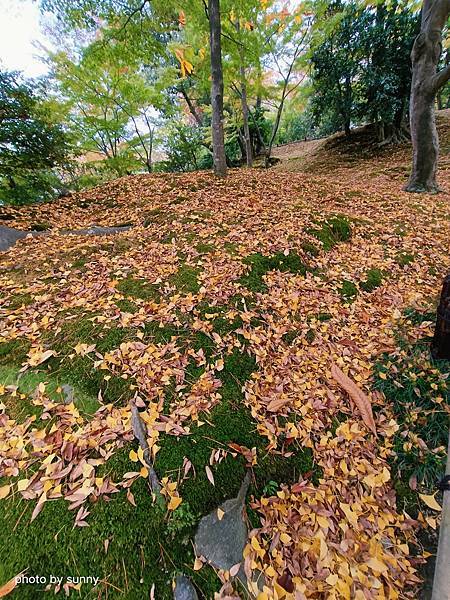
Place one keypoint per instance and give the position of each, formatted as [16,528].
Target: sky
[19,28]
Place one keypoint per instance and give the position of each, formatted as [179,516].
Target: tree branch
[441,78]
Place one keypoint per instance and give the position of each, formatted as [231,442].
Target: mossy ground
[133,548]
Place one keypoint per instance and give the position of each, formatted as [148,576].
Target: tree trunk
[220,163]
[247,138]
[425,84]
[440,347]
[441,582]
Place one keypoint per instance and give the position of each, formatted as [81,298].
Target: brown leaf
[8,587]
[209,474]
[276,404]
[361,400]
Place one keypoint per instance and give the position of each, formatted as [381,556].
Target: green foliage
[32,144]
[184,149]
[361,64]
[404,258]
[418,389]
[181,519]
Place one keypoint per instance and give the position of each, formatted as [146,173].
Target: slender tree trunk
[192,108]
[247,138]
[220,163]
[426,82]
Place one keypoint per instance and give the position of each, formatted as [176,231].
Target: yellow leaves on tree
[186,67]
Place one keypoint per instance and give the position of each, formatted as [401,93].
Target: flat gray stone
[9,236]
[184,590]
[222,541]
[68,393]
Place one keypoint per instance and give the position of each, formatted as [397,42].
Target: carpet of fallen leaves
[342,538]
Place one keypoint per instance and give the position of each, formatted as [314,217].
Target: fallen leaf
[358,396]
[430,501]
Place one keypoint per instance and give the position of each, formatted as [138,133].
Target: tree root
[141,435]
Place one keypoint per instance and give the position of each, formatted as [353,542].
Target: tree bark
[440,348]
[247,138]
[426,82]
[441,582]
[220,163]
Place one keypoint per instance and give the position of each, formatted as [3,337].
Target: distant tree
[361,66]
[112,106]
[387,40]
[32,144]
[218,142]
[336,64]
[426,83]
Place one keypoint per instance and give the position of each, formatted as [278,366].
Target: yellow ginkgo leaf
[133,456]
[175,501]
[4,491]
[430,501]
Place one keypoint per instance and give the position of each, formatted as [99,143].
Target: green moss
[374,279]
[332,231]
[404,258]
[348,291]
[323,317]
[141,552]
[155,216]
[401,230]
[290,336]
[14,351]
[310,336]
[310,248]
[138,288]
[230,247]
[27,383]
[20,300]
[185,279]
[261,264]
[204,248]
[40,226]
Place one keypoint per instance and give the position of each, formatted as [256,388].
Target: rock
[68,393]
[184,590]
[221,541]
[9,236]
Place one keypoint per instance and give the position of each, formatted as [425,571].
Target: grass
[185,279]
[418,389]
[138,288]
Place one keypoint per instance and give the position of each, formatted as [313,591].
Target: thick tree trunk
[425,84]
[440,348]
[220,163]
